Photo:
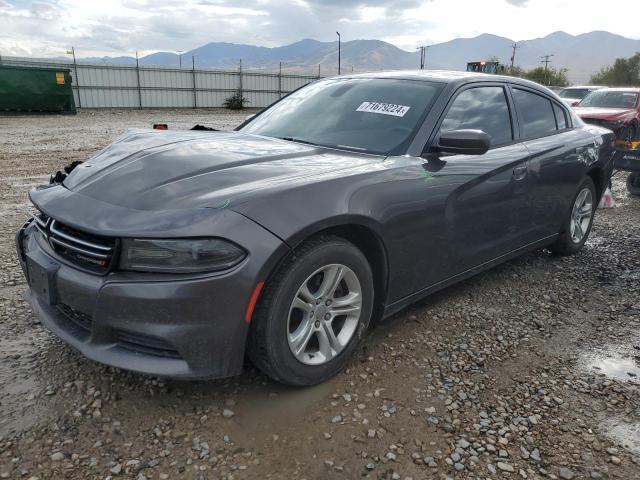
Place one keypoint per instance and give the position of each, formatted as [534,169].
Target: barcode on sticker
[383,108]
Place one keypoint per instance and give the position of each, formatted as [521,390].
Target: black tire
[633,132]
[633,184]
[268,346]
[565,245]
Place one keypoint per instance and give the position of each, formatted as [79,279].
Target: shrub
[235,101]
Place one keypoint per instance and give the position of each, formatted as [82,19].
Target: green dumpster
[35,89]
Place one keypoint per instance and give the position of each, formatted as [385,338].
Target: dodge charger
[181,253]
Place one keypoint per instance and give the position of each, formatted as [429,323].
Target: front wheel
[313,313]
[578,223]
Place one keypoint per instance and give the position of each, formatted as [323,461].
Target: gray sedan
[177,253]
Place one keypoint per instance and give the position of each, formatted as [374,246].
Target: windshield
[610,99]
[574,92]
[373,115]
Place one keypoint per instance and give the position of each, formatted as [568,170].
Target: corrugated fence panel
[119,86]
[211,98]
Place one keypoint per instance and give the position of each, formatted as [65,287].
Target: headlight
[180,255]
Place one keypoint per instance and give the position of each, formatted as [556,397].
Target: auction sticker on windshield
[383,108]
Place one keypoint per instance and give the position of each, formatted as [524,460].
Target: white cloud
[114,27]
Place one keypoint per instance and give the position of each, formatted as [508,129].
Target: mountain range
[582,55]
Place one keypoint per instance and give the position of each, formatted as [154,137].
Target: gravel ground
[530,370]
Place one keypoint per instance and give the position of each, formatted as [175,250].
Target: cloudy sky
[113,27]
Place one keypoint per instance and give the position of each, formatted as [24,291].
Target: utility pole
[513,55]
[546,62]
[138,75]
[240,83]
[280,81]
[75,75]
[338,33]
[193,72]
[423,56]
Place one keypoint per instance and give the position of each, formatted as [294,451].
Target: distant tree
[552,76]
[516,71]
[623,72]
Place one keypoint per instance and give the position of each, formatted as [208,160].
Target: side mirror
[464,142]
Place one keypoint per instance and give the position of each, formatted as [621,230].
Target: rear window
[561,117]
[574,93]
[535,114]
[610,99]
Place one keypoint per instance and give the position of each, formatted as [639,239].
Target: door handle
[519,173]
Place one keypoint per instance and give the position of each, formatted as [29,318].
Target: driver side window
[481,108]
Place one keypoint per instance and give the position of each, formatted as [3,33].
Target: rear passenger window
[561,118]
[535,114]
[481,108]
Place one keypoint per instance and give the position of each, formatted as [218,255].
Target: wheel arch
[596,174]
[373,248]
[361,231]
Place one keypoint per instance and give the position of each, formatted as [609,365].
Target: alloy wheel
[324,314]
[581,215]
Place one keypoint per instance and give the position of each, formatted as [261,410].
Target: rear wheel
[633,183]
[579,220]
[313,313]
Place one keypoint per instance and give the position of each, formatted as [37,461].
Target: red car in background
[617,109]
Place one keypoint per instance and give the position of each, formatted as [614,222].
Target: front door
[484,209]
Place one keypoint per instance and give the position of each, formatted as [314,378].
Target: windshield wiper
[345,147]
[293,139]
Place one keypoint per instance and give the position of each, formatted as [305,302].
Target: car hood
[604,113]
[160,170]
[570,101]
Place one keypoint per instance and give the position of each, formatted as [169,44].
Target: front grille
[146,345]
[90,252]
[79,322]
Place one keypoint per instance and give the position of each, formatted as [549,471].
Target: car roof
[585,86]
[623,89]
[447,76]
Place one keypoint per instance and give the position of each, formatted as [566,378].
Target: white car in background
[572,95]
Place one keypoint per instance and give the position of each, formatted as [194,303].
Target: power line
[546,62]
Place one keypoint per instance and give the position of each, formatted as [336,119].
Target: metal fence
[120,86]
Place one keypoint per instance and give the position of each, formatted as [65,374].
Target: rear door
[558,154]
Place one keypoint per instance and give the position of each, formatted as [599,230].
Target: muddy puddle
[20,406]
[621,363]
[619,368]
[623,433]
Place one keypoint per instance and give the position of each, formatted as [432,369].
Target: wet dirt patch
[620,368]
[619,359]
[492,376]
[623,433]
